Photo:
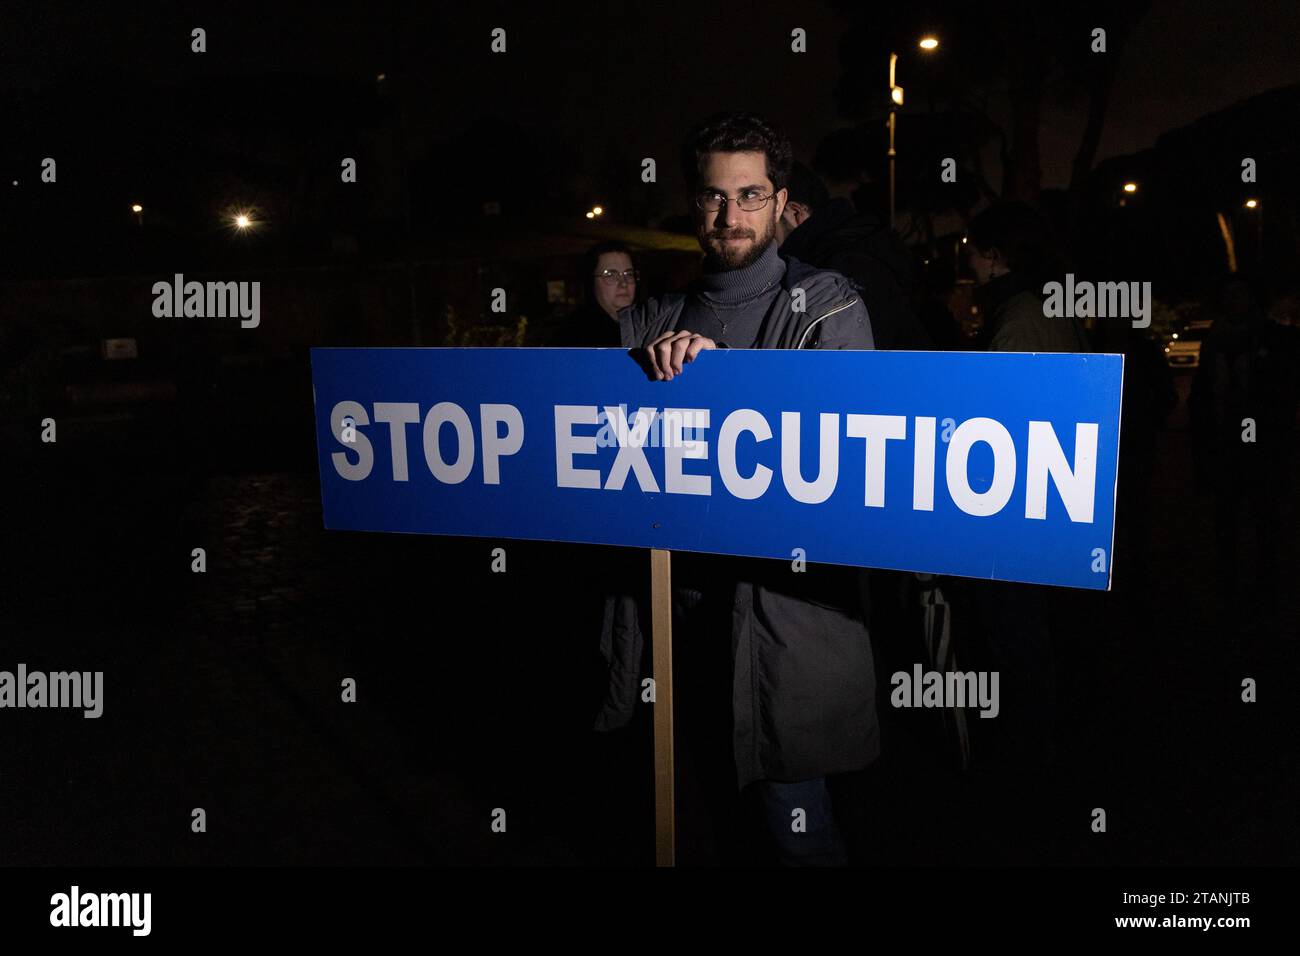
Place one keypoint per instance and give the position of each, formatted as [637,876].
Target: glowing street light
[1130,187]
[137,208]
[139,213]
[927,43]
[242,221]
[591,215]
[1253,205]
[598,210]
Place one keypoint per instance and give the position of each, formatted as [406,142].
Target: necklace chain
[705,299]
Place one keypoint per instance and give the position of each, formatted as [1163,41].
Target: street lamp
[1130,187]
[1253,205]
[928,43]
[139,214]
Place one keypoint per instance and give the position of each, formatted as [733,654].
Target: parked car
[1183,350]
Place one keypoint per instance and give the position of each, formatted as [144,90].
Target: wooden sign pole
[661,604]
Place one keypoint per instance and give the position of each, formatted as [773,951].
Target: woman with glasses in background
[611,283]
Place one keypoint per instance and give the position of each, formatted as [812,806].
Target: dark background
[475,689]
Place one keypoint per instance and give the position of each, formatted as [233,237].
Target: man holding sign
[802,676]
[996,466]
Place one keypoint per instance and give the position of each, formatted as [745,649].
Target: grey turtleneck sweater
[729,307]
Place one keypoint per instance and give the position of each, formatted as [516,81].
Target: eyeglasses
[610,277]
[748,201]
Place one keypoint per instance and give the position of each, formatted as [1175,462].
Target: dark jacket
[1014,320]
[803,694]
[834,315]
[1006,626]
[859,246]
[588,327]
[1248,371]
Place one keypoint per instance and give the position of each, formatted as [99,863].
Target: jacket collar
[827,219]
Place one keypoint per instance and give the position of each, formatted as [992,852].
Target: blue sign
[985,465]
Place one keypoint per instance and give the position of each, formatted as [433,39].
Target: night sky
[635,74]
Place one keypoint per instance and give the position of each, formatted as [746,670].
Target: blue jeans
[820,843]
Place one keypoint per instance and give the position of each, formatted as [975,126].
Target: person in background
[934,288]
[611,283]
[841,160]
[1149,396]
[611,756]
[1012,256]
[832,234]
[1015,629]
[1242,410]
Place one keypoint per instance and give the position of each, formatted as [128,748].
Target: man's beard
[726,259]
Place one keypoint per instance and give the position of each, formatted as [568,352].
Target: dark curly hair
[738,133]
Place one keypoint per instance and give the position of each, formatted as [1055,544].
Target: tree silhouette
[1027,49]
